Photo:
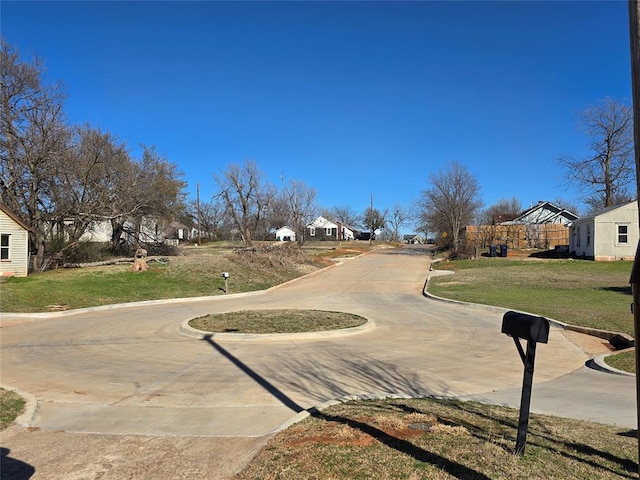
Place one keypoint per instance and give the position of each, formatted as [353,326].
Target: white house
[609,234]
[323,229]
[14,244]
[285,234]
[151,231]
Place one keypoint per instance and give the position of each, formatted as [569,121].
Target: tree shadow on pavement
[420,454]
[338,375]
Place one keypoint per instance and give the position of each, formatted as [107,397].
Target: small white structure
[323,229]
[14,244]
[285,234]
[607,235]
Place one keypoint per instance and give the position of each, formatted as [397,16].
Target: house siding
[98,232]
[17,263]
[598,237]
[323,229]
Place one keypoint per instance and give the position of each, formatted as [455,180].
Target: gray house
[542,213]
[607,235]
[14,244]
[323,229]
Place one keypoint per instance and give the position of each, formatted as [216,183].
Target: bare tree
[606,174]
[157,190]
[33,141]
[345,215]
[398,218]
[94,182]
[301,203]
[246,197]
[503,206]
[278,214]
[211,217]
[451,202]
[373,219]
[566,205]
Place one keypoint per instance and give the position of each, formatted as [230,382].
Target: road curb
[598,360]
[64,313]
[188,331]
[30,406]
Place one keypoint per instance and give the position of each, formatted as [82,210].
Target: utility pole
[634,35]
[198,210]
[371,220]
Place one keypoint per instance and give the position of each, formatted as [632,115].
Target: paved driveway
[131,376]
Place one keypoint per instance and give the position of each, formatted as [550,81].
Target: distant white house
[14,244]
[323,229]
[609,234]
[285,234]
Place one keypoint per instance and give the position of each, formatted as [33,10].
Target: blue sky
[353,98]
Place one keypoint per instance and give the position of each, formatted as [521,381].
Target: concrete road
[112,383]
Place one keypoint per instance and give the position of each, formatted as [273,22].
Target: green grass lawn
[578,292]
[196,273]
[11,405]
[182,276]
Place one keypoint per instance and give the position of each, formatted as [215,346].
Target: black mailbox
[532,329]
[527,327]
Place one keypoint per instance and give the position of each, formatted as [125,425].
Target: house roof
[504,217]
[322,222]
[544,212]
[606,210]
[13,216]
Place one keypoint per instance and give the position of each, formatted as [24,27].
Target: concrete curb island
[188,331]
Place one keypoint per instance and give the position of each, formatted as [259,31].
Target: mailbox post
[225,276]
[532,329]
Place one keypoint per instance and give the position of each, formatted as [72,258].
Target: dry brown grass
[437,439]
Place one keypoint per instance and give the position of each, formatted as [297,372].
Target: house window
[328,231]
[578,236]
[4,246]
[588,235]
[312,231]
[623,234]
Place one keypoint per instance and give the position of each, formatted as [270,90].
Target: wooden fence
[543,236]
